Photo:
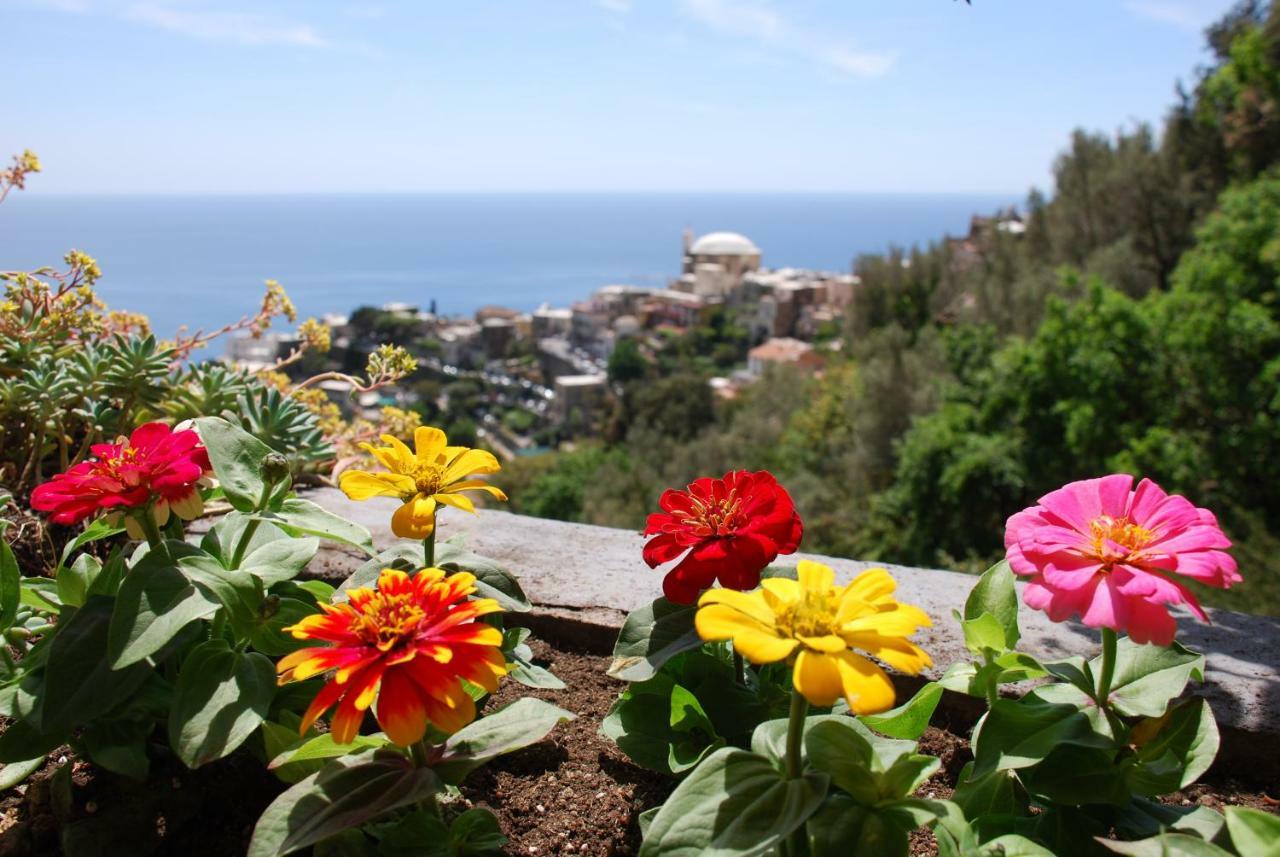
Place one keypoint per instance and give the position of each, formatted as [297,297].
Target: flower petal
[866,687]
[817,678]
[401,711]
[756,642]
[415,519]
[359,485]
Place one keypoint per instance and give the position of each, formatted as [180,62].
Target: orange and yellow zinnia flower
[408,643]
[432,473]
[815,625]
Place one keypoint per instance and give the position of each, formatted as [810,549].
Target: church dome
[724,244]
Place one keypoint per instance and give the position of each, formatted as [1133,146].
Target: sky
[238,96]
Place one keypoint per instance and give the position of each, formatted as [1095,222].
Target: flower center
[428,478]
[386,619]
[1117,538]
[714,517]
[813,616]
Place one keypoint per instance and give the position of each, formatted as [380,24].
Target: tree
[627,363]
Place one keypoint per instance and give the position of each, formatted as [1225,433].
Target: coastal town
[524,382]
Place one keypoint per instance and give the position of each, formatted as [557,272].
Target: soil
[572,794]
[575,793]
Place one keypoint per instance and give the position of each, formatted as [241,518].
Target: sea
[200,261]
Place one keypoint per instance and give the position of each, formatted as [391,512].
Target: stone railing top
[599,572]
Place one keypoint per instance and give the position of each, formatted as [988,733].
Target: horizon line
[36,193]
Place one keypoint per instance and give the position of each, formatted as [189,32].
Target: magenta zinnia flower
[1115,555]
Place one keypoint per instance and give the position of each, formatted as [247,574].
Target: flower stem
[418,750]
[1108,668]
[739,669]
[150,529]
[219,623]
[242,546]
[795,733]
[992,686]
[429,546]
[795,742]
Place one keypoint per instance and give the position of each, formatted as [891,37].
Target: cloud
[1192,17]
[244,28]
[762,24]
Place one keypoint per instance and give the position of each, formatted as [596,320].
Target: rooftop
[781,350]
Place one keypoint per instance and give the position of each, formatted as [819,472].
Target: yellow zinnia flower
[814,624]
[432,473]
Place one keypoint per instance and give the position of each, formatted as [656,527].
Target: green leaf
[320,591]
[477,832]
[418,834]
[13,773]
[474,833]
[221,698]
[309,756]
[79,680]
[995,596]
[1179,753]
[237,592]
[299,517]
[1076,776]
[972,679]
[842,827]
[661,726]
[236,457]
[520,665]
[407,556]
[266,631]
[1148,677]
[20,741]
[769,739]
[910,719]
[492,580]
[983,634]
[512,727]
[96,530]
[1168,845]
[346,793]
[734,803]
[119,746]
[40,593]
[650,637]
[73,581]
[155,602]
[348,843]
[223,537]
[10,586]
[1253,831]
[1141,818]
[280,560]
[1020,733]
[992,802]
[868,768]
[107,581]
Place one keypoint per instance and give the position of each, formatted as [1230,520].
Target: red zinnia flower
[732,528]
[154,463]
[407,643]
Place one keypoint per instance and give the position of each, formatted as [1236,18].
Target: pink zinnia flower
[1114,555]
[154,465]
